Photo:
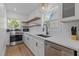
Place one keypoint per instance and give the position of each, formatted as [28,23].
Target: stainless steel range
[15,37]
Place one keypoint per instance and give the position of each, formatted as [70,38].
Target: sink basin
[42,35]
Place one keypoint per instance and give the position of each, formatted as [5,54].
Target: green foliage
[13,23]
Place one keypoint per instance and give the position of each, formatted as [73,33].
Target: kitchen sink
[42,35]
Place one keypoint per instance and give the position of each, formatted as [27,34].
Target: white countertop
[73,44]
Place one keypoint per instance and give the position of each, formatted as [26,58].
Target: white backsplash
[62,30]
[67,28]
[57,28]
[36,30]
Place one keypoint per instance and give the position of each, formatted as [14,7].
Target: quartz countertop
[72,44]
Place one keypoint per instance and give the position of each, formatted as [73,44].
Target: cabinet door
[40,49]
[68,10]
[34,47]
[37,47]
[26,39]
[30,43]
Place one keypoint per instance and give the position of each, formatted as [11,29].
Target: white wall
[2,29]
[37,29]
[38,13]
[35,13]
[16,15]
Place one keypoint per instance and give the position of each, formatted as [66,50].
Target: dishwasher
[53,49]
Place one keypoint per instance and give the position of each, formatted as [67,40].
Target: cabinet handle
[27,38]
[36,44]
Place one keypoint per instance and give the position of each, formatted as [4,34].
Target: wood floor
[18,50]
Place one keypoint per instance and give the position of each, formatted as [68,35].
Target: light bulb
[43,7]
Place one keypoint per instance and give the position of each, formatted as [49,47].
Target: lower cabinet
[40,48]
[34,44]
[25,40]
[34,47]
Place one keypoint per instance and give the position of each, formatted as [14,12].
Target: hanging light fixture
[44,6]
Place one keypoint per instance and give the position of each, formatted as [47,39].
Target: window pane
[13,23]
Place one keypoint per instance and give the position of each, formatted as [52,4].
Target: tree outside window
[13,23]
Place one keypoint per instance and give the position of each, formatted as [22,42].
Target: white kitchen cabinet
[34,44]
[40,48]
[26,39]
[30,42]
[34,47]
[69,12]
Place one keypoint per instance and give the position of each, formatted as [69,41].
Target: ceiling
[21,8]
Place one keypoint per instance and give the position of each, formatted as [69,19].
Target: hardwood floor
[18,50]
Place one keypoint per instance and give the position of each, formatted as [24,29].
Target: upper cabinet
[69,12]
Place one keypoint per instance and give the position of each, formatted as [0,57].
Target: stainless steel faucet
[46,29]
